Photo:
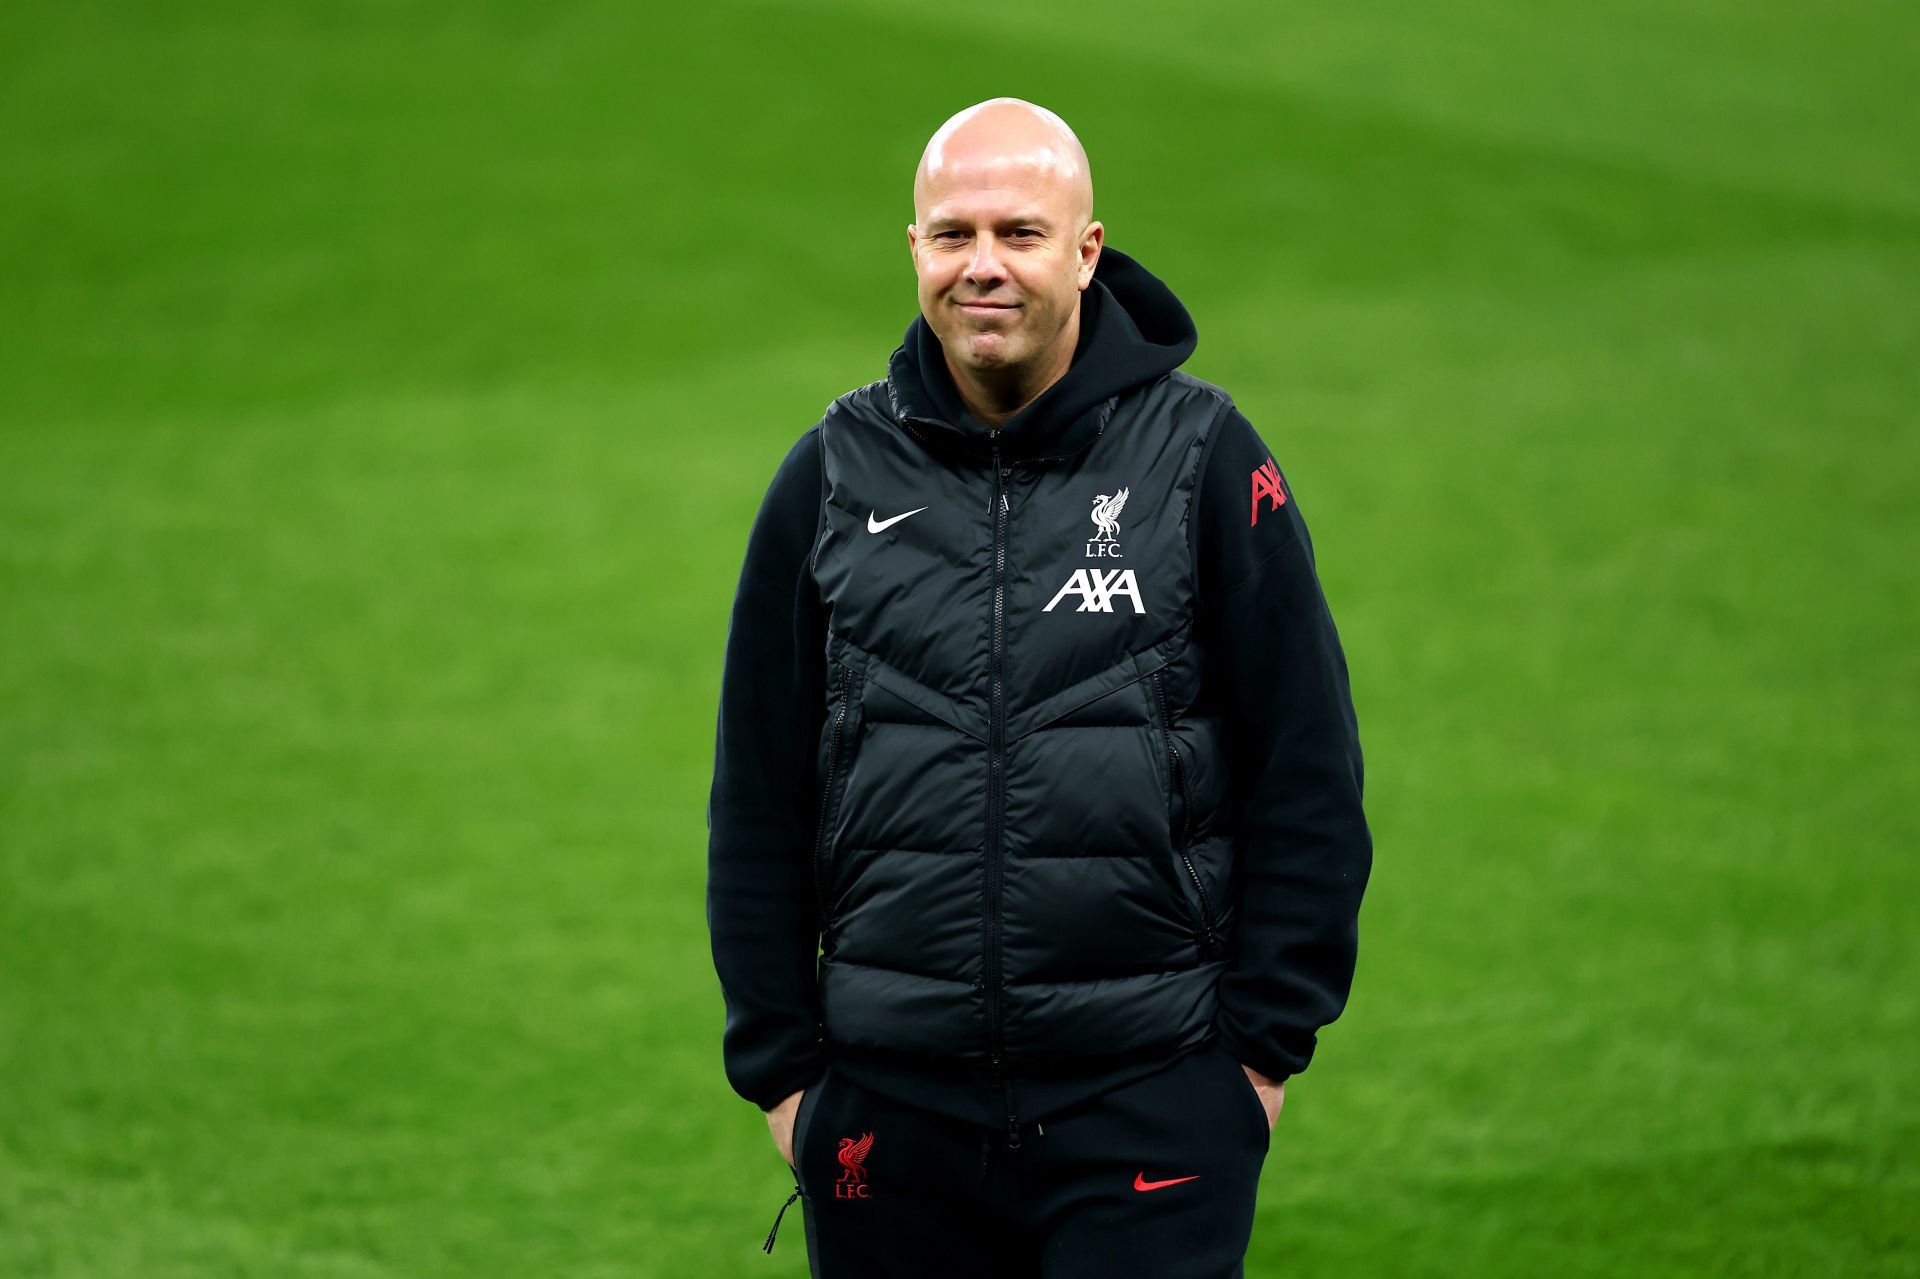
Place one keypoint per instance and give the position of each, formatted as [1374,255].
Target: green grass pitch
[385,391]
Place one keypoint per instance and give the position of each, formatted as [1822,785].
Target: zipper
[1179,772]
[826,802]
[996,834]
[768,1245]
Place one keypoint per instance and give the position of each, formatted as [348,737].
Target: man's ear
[913,241]
[1090,241]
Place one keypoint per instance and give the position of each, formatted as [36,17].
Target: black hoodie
[1272,644]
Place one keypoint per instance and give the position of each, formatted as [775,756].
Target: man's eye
[946,235]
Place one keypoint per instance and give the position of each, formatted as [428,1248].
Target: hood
[1132,330]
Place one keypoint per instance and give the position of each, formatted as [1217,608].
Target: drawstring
[768,1245]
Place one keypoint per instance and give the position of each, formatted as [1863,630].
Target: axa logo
[853,1168]
[1106,523]
[1098,588]
[1266,483]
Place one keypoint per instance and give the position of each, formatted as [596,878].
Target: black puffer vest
[1023,856]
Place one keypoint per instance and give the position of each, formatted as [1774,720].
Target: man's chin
[983,351]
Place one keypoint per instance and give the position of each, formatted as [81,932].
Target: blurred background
[386,390]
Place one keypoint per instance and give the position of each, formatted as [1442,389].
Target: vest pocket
[1180,809]
[838,747]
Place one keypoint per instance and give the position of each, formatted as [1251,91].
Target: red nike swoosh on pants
[1140,1181]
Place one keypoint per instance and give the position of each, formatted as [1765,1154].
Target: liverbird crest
[1106,515]
[853,1157]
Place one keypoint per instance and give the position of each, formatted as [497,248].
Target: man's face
[1002,252]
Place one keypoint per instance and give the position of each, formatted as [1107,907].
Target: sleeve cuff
[804,1078]
[1275,1065]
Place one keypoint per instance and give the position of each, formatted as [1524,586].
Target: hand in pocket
[780,1124]
[1271,1092]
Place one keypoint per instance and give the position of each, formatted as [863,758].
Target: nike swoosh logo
[874,526]
[1140,1181]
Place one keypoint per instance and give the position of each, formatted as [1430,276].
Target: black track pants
[1157,1178]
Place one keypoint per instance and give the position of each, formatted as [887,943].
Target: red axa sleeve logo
[1268,484]
[853,1164]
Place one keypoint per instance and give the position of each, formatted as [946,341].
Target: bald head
[1004,142]
[1004,243]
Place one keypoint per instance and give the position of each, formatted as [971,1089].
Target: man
[1037,842]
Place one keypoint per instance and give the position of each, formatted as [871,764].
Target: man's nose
[984,269]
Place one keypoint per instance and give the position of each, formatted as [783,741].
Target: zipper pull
[1003,501]
[1013,1135]
[768,1245]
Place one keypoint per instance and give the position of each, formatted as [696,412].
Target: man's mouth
[985,308]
